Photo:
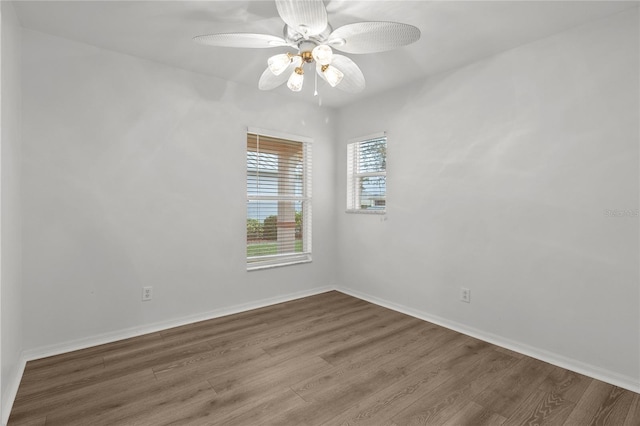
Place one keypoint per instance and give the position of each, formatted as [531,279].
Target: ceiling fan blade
[248,40]
[308,17]
[268,80]
[372,37]
[353,80]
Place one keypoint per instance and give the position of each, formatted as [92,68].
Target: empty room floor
[329,359]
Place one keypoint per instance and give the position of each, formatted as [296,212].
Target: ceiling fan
[307,29]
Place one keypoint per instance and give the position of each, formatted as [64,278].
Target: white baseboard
[74,345]
[595,372]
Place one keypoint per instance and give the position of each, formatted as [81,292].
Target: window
[278,200]
[367,175]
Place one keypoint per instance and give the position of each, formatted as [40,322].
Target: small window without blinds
[278,201]
[367,175]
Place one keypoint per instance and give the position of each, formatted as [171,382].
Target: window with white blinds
[278,200]
[367,174]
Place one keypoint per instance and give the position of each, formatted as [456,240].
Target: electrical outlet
[465,295]
[147,293]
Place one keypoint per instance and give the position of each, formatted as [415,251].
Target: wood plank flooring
[329,359]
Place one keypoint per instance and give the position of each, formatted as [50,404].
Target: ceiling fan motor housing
[295,38]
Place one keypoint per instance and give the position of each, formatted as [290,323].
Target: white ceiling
[454,33]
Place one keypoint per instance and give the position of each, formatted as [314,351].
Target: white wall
[499,175]
[134,175]
[10,280]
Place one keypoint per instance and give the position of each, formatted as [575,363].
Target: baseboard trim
[12,390]
[74,345]
[595,372]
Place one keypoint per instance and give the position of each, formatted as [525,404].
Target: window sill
[364,211]
[278,262]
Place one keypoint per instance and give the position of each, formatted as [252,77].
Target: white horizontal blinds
[278,199]
[366,174]
[352,166]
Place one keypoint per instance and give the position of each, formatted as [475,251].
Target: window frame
[353,176]
[277,260]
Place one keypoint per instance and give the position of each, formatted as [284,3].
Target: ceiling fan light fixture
[307,29]
[322,54]
[279,63]
[332,74]
[296,80]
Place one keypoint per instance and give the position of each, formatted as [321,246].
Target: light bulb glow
[278,63]
[332,74]
[322,54]
[295,81]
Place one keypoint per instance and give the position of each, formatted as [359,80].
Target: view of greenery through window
[262,235]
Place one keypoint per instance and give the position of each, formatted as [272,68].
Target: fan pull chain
[315,92]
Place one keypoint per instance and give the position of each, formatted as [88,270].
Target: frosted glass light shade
[333,75]
[278,63]
[295,81]
[322,54]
